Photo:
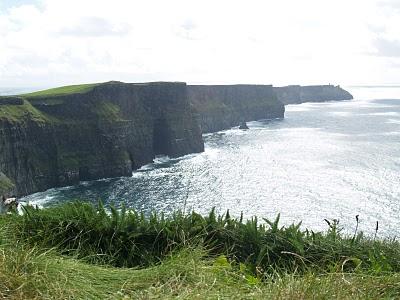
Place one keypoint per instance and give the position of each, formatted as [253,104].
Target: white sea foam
[393,121]
[297,108]
[388,113]
[342,113]
[39,199]
[161,159]
[391,133]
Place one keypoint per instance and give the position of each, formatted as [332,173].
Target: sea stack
[243,125]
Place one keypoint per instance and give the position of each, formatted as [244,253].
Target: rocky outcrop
[59,138]
[243,126]
[295,94]
[220,107]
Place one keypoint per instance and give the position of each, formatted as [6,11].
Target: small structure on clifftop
[243,126]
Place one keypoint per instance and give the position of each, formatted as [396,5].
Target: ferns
[125,238]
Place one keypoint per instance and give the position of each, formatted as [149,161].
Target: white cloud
[223,41]
[387,48]
[94,27]
[390,4]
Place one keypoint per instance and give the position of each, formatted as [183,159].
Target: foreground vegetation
[81,251]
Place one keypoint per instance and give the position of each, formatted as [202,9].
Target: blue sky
[51,42]
[6,4]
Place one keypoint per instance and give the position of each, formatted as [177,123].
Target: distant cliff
[295,94]
[61,136]
[221,107]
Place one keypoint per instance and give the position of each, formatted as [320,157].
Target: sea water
[331,160]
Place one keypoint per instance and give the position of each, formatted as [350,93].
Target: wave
[393,121]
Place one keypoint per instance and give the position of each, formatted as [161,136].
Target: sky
[47,43]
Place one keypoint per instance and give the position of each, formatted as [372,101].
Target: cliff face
[65,135]
[221,107]
[295,94]
[106,130]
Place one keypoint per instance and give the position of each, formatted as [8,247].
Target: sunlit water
[324,160]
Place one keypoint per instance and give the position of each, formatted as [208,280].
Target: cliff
[220,107]
[61,136]
[295,94]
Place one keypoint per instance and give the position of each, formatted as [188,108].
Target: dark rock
[296,94]
[106,131]
[220,107]
[11,100]
[243,125]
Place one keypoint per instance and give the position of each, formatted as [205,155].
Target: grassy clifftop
[35,107]
[95,254]
[79,89]
[23,113]
[62,91]
[73,103]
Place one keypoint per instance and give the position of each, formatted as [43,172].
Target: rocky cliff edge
[296,94]
[62,136]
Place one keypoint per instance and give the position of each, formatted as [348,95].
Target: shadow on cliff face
[161,138]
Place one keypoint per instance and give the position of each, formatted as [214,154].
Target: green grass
[81,251]
[129,239]
[22,113]
[30,109]
[61,91]
[189,274]
[107,111]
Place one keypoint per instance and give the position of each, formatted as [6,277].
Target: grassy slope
[29,271]
[22,113]
[25,274]
[28,110]
[61,91]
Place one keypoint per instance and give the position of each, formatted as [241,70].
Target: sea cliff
[220,107]
[296,94]
[62,136]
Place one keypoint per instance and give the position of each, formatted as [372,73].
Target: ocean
[331,160]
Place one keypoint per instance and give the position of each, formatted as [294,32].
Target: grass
[188,274]
[129,239]
[22,113]
[32,109]
[62,91]
[81,251]
[107,111]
